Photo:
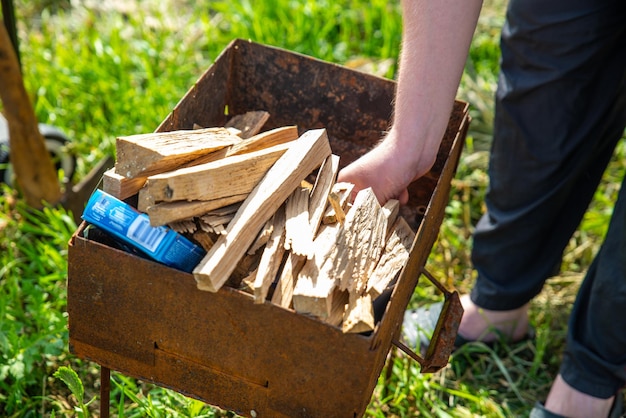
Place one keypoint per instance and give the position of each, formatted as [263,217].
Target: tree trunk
[34,170]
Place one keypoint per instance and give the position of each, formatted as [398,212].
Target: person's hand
[388,169]
[435,42]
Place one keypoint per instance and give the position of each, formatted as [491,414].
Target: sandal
[419,324]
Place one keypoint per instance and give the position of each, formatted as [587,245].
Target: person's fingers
[403,198]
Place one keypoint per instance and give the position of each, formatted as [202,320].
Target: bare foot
[478,324]
[567,401]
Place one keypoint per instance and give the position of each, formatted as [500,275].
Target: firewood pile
[267,208]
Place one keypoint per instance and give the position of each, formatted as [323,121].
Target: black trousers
[560,111]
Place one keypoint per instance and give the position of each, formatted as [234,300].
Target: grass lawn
[97,70]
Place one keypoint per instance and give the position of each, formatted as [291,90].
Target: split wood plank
[230,176]
[147,154]
[314,287]
[257,142]
[262,238]
[319,195]
[304,155]
[264,140]
[249,123]
[360,242]
[340,300]
[225,210]
[271,258]
[242,269]
[343,258]
[394,257]
[120,186]
[205,240]
[391,210]
[145,200]
[246,282]
[297,223]
[184,227]
[283,293]
[215,220]
[167,212]
[306,207]
[359,316]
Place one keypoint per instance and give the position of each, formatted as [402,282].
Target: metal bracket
[444,334]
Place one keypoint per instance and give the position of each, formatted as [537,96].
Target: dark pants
[560,111]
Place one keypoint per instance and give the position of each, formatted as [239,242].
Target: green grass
[97,73]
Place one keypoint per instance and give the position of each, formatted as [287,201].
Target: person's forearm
[436,40]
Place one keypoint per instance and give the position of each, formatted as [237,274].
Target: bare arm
[435,42]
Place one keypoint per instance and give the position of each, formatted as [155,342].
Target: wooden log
[230,176]
[34,170]
[147,154]
[304,155]
[319,195]
[119,186]
[249,123]
[344,257]
[394,257]
[271,258]
[164,213]
[219,229]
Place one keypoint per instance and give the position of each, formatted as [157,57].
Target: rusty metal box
[149,321]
